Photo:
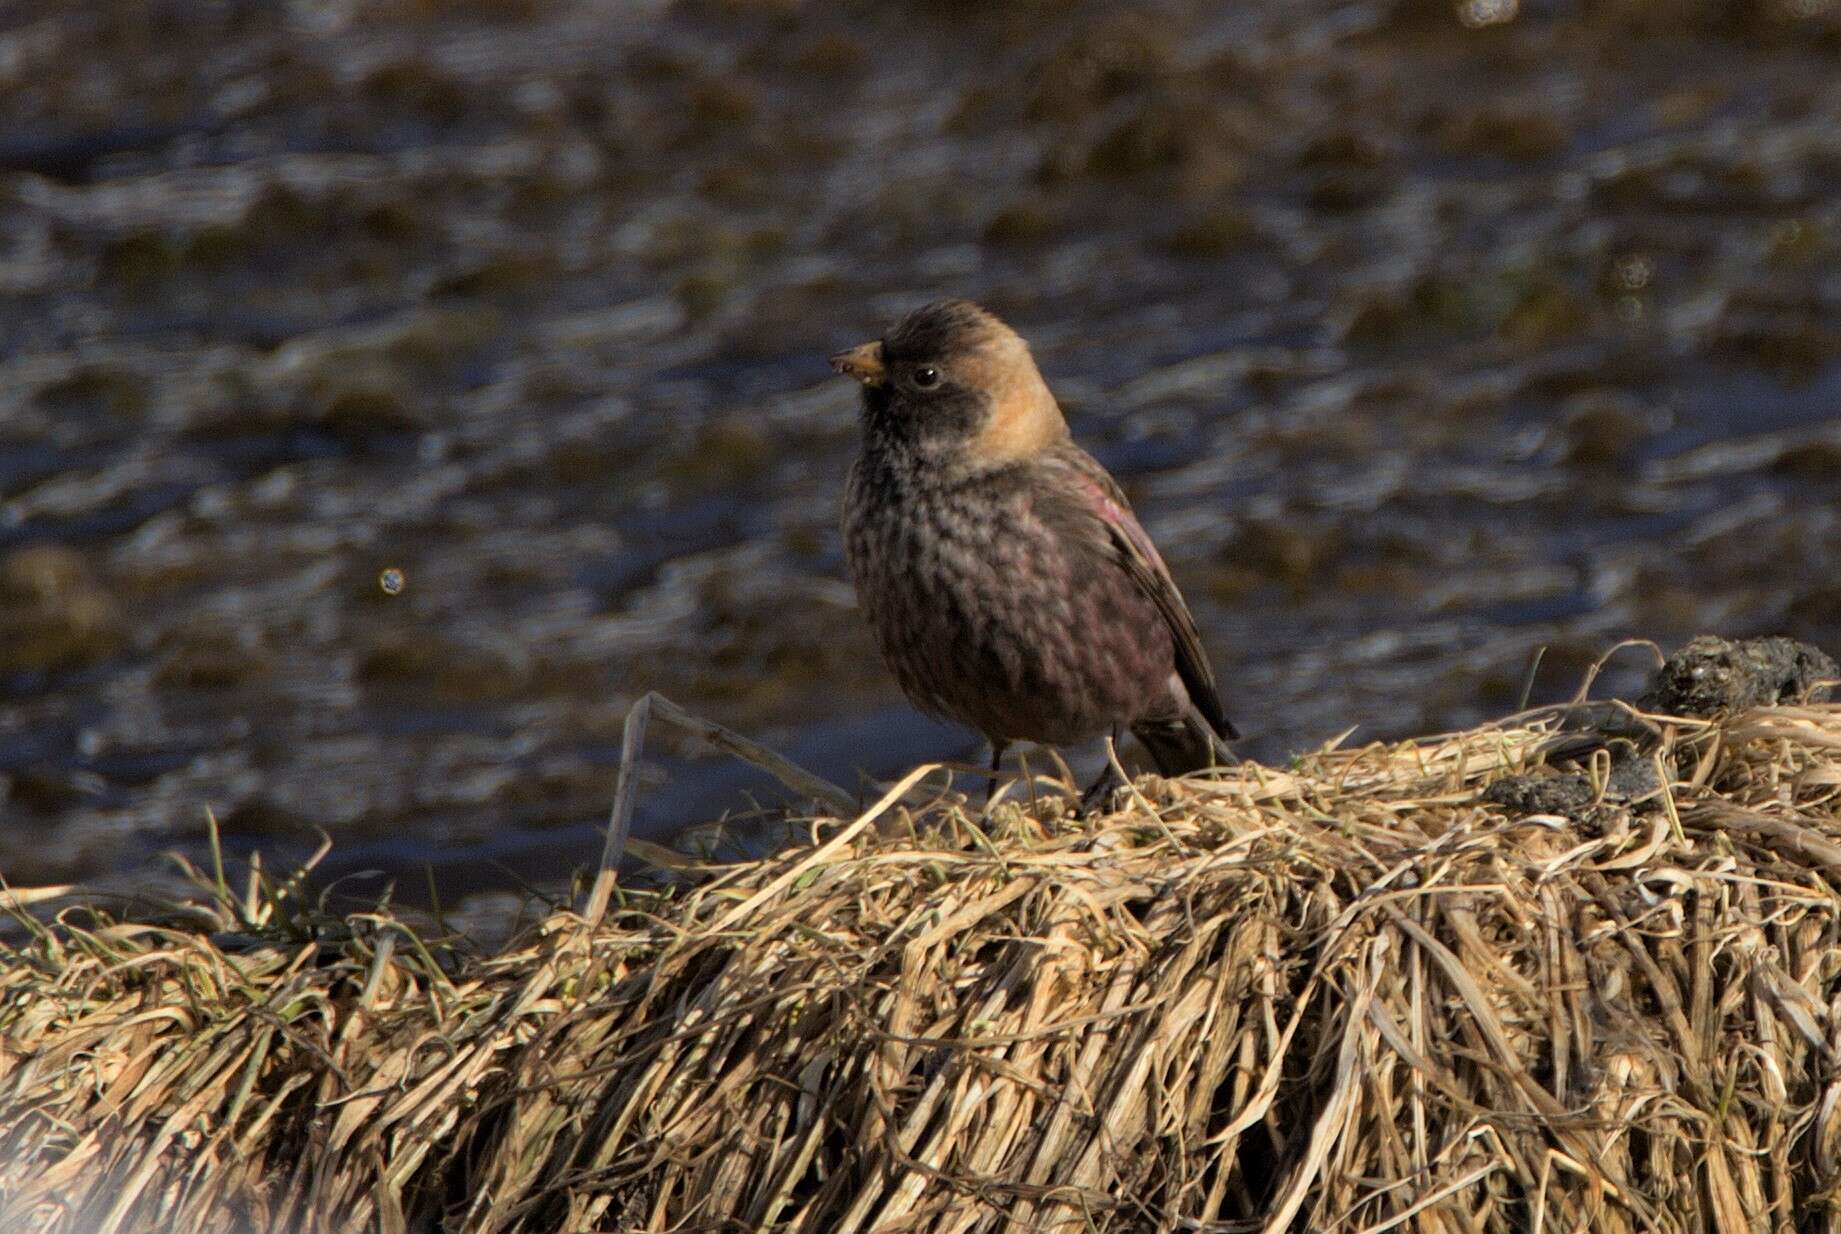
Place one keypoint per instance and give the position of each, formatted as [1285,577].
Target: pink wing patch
[1117,516]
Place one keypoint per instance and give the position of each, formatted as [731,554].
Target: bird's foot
[1101,794]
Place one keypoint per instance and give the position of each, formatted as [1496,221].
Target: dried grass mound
[1364,993]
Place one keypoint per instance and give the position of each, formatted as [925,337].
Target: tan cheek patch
[1020,425]
[1024,416]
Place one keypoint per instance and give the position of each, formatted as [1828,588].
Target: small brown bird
[1007,582]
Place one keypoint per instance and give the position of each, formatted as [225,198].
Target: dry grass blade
[1351,995]
[24,897]
[626,785]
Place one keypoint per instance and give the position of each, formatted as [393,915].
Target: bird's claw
[1098,799]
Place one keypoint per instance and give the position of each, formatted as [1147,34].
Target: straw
[1350,995]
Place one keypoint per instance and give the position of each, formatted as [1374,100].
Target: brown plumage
[1008,584]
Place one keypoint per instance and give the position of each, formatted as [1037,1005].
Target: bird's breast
[917,547]
[988,616]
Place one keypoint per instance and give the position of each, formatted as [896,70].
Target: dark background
[1422,334]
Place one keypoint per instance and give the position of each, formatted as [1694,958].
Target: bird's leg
[1110,780]
[997,757]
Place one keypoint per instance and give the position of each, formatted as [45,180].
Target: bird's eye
[926,378]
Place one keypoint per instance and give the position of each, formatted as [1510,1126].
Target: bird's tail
[1184,743]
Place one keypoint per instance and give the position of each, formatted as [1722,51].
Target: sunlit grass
[1349,992]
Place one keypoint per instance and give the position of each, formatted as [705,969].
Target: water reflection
[1423,335]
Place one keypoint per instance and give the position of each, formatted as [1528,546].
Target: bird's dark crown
[938,330]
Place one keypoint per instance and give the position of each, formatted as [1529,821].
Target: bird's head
[952,383]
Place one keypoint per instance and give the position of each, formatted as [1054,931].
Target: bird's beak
[863,363]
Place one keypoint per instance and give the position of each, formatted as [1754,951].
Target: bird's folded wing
[1132,549]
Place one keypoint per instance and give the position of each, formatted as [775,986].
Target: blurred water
[1420,342]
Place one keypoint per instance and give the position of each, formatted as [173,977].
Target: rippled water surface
[1420,342]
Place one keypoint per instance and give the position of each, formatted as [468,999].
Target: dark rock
[832,56]
[95,390]
[1545,311]
[1214,234]
[1281,551]
[458,671]
[1122,52]
[1713,675]
[1171,132]
[138,260]
[1569,794]
[1344,148]
[1020,224]
[210,655]
[47,791]
[1433,307]
[1604,428]
[53,613]
[1339,190]
[1633,777]
[1508,133]
[1810,460]
[1633,781]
